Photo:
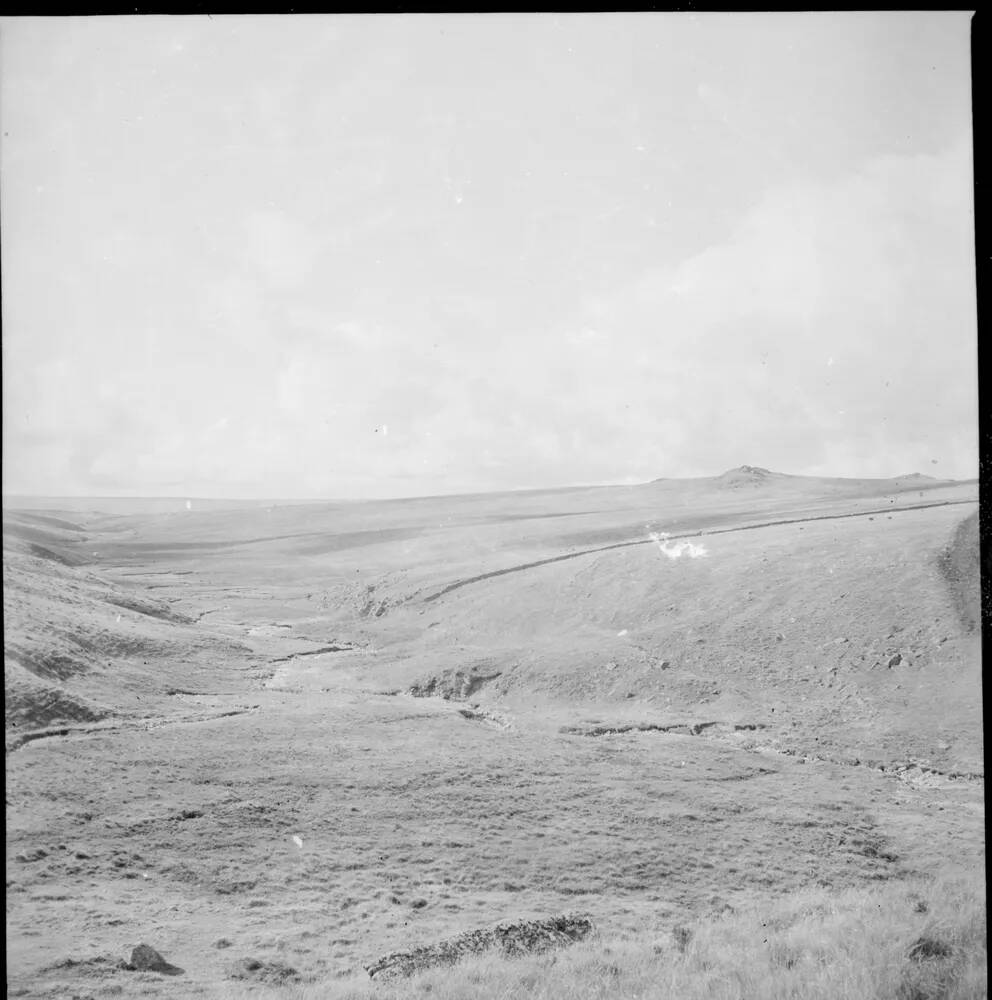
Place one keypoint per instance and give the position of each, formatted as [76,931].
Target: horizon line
[460,493]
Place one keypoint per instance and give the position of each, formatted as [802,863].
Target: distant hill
[745,475]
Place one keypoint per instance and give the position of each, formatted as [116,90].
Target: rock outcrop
[525,937]
[455,684]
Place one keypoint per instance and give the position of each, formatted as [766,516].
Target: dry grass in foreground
[924,940]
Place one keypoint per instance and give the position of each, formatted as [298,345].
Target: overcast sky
[383,256]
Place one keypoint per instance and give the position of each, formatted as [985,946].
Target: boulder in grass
[144,958]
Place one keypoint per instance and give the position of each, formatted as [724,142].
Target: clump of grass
[869,943]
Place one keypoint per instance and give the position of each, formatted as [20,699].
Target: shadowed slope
[79,648]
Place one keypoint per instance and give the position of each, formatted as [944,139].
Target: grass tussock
[899,941]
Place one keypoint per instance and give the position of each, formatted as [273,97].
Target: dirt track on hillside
[687,534]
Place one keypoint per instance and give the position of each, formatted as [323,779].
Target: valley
[313,734]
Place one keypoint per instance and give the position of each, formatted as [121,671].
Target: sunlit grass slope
[922,940]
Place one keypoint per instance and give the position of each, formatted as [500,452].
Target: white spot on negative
[675,550]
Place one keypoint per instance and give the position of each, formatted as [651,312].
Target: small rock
[269,972]
[144,958]
[25,857]
[222,943]
[244,967]
[418,904]
[894,661]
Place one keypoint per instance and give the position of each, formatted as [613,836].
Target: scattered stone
[234,887]
[144,958]
[527,937]
[26,857]
[266,972]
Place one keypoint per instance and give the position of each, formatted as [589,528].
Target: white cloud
[280,248]
[874,269]
[171,274]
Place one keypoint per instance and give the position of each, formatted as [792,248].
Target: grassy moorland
[919,940]
[276,743]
